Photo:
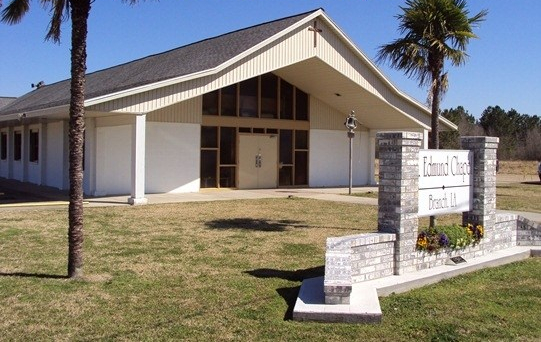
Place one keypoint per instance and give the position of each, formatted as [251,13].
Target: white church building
[261,107]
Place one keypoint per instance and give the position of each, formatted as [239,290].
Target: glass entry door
[258,161]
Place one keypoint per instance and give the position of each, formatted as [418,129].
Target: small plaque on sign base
[455,260]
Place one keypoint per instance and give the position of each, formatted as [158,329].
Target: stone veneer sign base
[364,302]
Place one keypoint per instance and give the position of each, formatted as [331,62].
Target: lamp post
[351,124]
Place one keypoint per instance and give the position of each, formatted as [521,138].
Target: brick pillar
[338,282]
[398,202]
[484,180]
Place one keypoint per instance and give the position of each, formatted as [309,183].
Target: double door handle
[258,160]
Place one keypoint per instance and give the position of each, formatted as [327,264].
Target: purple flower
[444,240]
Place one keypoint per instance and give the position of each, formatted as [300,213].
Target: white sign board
[445,181]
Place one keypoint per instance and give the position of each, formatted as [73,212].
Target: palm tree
[434,31]
[78,10]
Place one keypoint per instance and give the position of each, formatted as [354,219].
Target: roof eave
[35,113]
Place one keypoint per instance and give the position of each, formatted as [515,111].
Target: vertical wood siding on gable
[189,111]
[323,116]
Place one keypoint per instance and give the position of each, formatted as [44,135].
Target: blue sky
[504,67]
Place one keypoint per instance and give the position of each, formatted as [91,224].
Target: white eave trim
[448,123]
[35,113]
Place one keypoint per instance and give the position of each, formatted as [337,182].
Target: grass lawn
[229,270]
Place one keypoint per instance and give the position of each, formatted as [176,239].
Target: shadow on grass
[531,183]
[255,224]
[289,294]
[297,275]
[33,275]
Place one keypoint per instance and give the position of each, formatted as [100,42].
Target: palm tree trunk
[79,17]
[435,122]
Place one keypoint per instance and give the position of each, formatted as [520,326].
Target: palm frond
[434,31]
[408,55]
[60,11]
[15,11]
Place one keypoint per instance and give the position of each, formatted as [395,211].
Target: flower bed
[453,237]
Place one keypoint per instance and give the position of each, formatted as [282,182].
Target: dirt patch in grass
[518,167]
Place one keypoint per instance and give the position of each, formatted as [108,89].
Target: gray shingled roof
[4,101]
[189,59]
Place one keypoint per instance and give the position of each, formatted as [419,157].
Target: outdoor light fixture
[351,124]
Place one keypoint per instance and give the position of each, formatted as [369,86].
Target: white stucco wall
[113,160]
[172,157]
[54,167]
[365,158]
[329,158]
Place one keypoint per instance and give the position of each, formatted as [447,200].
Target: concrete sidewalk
[15,194]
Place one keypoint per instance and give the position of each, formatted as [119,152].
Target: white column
[424,145]
[138,162]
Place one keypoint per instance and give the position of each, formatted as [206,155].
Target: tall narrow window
[301,105]
[17,145]
[228,156]
[286,100]
[285,174]
[228,149]
[209,162]
[4,146]
[210,103]
[229,101]
[248,98]
[33,152]
[209,156]
[269,96]
[301,157]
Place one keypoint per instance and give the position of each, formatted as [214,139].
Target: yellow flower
[422,242]
[481,230]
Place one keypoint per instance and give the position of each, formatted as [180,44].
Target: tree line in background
[520,134]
